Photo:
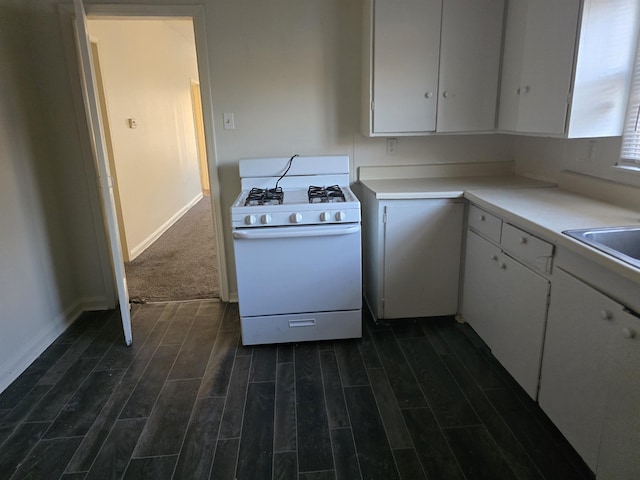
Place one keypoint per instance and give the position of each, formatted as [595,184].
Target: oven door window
[283,270]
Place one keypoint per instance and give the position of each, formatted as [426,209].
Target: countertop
[538,207]
[444,187]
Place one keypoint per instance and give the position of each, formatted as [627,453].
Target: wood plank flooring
[412,400]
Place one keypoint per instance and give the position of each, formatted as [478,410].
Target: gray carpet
[181,264]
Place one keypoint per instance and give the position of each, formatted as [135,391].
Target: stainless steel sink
[622,243]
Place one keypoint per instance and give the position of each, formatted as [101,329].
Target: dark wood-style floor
[415,400]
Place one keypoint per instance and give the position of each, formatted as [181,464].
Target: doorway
[149,93]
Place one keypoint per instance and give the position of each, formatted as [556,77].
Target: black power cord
[287,170]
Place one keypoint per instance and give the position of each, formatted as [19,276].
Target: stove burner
[264,196]
[326,194]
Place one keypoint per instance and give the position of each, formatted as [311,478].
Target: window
[630,155]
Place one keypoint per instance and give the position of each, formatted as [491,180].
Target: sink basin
[622,243]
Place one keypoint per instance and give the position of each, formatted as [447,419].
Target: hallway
[181,264]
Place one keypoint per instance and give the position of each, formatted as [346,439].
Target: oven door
[284,270]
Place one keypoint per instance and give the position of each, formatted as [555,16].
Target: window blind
[630,154]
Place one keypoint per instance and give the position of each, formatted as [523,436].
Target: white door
[290,270]
[618,452]
[549,47]
[469,65]
[87,78]
[521,303]
[422,243]
[406,51]
[573,380]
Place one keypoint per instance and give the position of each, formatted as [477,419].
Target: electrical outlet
[392,144]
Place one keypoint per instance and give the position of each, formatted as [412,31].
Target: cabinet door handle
[428,95]
[605,315]
[448,95]
[503,266]
[628,333]
[482,218]
[494,257]
[523,240]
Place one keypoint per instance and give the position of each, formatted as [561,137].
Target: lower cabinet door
[618,456]
[573,380]
[480,296]
[506,304]
[521,312]
[422,247]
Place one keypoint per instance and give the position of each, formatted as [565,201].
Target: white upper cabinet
[430,65]
[405,60]
[537,64]
[567,66]
[469,65]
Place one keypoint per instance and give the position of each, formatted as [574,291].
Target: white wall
[545,158]
[147,67]
[38,299]
[290,72]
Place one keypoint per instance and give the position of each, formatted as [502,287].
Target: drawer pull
[482,218]
[503,266]
[523,240]
[494,257]
[302,323]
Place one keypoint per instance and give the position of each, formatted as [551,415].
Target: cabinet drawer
[485,224]
[534,252]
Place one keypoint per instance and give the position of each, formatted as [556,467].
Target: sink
[622,243]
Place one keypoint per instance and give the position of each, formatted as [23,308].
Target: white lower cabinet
[618,457]
[506,304]
[412,252]
[590,380]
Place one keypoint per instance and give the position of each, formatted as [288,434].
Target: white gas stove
[296,231]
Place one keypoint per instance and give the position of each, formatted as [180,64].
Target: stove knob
[250,219]
[340,216]
[296,218]
[325,216]
[265,219]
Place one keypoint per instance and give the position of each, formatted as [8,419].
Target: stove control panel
[257,218]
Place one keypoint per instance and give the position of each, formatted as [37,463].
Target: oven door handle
[294,232]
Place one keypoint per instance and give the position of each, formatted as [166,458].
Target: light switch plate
[229,121]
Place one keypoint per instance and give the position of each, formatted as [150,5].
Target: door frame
[197,15]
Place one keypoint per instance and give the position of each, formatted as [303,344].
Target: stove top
[330,194]
[264,196]
[314,191]
[276,196]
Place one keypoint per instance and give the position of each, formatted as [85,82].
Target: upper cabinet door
[406,48]
[538,65]
[469,65]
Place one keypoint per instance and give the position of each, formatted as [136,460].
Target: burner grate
[326,194]
[265,196]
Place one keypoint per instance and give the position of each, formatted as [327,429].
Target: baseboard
[32,350]
[147,242]
[95,303]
